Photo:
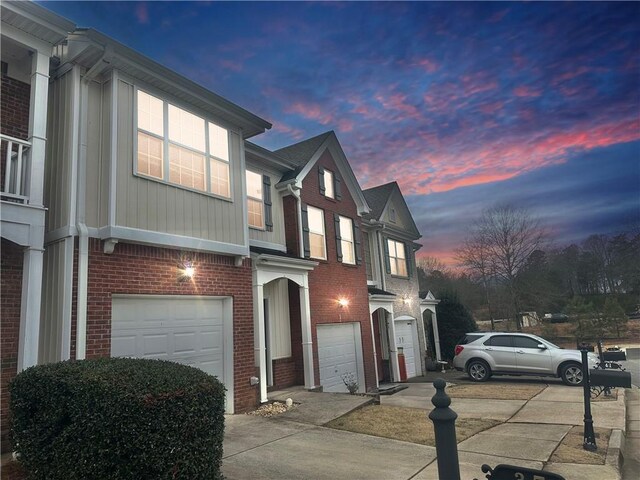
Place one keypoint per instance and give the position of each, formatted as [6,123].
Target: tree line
[508,264]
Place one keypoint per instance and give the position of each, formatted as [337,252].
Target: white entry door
[191,330]
[340,354]
[406,337]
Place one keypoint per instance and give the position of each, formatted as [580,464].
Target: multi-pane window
[317,242]
[397,258]
[346,241]
[328,184]
[255,200]
[177,151]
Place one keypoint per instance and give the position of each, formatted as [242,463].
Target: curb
[615,455]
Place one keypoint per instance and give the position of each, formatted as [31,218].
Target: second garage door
[192,330]
[340,354]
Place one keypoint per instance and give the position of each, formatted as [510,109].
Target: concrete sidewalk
[294,445]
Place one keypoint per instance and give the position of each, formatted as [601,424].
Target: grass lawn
[406,424]
[494,391]
[571,451]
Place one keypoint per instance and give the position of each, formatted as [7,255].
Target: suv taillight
[458,349]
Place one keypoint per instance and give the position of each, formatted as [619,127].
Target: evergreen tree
[454,320]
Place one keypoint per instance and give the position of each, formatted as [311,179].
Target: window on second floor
[255,200]
[173,147]
[346,241]
[397,258]
[317,243]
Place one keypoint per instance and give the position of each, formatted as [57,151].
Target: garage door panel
[338,355]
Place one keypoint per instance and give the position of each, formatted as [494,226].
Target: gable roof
[305,154]
[379,199]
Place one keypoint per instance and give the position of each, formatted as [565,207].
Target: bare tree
[500,244]
[432,264]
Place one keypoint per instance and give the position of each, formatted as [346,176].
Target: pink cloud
[398,102]
[526,91]
[232,65]
[318,113]
[142,13]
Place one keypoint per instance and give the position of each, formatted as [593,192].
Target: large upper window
[397,258]
[317,244]
[346,241]
[255,200]
[177,150]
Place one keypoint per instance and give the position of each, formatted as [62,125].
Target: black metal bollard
[589,434]
[444,426]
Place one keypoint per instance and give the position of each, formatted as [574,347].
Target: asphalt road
[632,365]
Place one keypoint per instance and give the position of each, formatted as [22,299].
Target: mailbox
[509,472]
[609,378]
[614,356]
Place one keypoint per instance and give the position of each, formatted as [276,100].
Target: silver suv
[504,353]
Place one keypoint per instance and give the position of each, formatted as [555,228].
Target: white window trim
[323,233]
[165,148]
[261,200]
[352,242]
[393,259]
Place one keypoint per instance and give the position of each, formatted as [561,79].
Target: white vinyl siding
[255,200]
[346,241]
[317,243]
[167,130]
[277,292]
[397,258]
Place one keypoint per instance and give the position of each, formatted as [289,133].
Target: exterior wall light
[406,300]
[343,302]
[186,270]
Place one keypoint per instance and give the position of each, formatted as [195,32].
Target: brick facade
[10,300]
[332,280]
[14,107]
[138,269]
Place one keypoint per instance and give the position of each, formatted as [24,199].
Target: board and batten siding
[277,236]
[55,326]
[98,153]
[152,205]
[277,291]
[58,189]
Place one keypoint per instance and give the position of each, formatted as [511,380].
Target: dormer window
[328,184]
[173,147]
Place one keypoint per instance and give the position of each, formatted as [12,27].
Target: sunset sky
[465,105]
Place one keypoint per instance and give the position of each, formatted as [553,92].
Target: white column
[375,356]
[393,349]
[260,344]
[30,308]
[37,127]
[307,338]
[436,335]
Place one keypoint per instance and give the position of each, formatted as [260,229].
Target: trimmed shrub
[118,418]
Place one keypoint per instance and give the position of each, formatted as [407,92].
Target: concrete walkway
[294,445]
[631,466]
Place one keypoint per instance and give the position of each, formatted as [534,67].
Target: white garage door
[191,330]
[340,353]
[406,336]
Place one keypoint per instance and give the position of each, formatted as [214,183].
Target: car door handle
[519,351]
[488,348]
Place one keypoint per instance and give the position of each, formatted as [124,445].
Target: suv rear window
[470,338]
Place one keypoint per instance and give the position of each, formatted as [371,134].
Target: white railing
[15,166]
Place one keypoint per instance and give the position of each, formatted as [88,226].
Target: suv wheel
[571,374]
[478,371]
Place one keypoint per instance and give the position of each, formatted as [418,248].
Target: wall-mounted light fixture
[186,270]
[406,299]
[343,302]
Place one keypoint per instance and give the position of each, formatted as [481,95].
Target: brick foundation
[10,300]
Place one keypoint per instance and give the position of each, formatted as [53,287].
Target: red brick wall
[284,373]
[332,280]
[10,299]
[14,107]
[138,269]
[291,230]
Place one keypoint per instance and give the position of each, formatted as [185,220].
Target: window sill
[258,229]
[401,277]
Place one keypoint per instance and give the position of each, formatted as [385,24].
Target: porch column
[30,308]
[37,127]
[436,335]
[375,356]
[393,349]
[259,342]
[307,338]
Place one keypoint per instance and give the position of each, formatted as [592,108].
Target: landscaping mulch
[571,450]
[406,424]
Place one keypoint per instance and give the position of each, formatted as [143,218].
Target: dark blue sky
[466,105]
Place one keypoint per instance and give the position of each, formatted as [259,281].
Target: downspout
[299,222]
[83,232]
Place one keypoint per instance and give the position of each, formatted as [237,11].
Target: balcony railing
[14,169]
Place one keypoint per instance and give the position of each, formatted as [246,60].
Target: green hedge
[118,418]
